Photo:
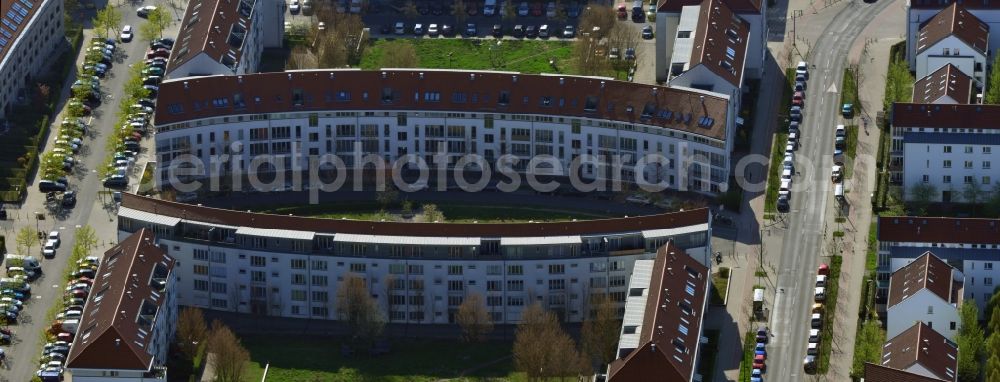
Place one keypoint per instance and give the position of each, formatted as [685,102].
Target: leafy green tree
[992,95]
[108,20]
[870,339]
[971,341]
[26,238]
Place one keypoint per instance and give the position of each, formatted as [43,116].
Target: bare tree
[509,13]
[542,349]
[191,331]
[458,10]
[410,10]
[356,306]
[474,319]
[398,54]
[432,213]
[600,329]
[600,16]
[229,356]
[301,58]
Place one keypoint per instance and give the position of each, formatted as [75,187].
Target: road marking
[62,228]
[832,89]
[78,226]
[55,285]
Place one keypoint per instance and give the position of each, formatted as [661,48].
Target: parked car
[531,31]
[647,32]
[543,31]
[144,11]
[126,34]
[418,29]
[569,32]
[432,30]
[522,9]
[802,69]
[294,6]
[471,30]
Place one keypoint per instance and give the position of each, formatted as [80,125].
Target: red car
[157,53]
[536,9]
[823,270]
[798,99]
[622,11]
[758,363]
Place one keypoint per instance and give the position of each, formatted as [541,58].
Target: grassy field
[453,213]
[307,360]
[747,365]
[519,56]
[849,90]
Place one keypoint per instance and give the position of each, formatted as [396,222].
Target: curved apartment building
[290,266]
[224,122]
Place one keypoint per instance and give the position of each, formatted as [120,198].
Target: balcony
[156,374]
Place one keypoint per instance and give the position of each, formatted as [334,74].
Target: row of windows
[968,179]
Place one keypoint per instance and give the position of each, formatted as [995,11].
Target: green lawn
[849,90]
[747,365]
[453,213]
[306,360]
[519,56]
[719,285]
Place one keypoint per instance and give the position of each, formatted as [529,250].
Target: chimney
[185,85]
[118,342]
[652,347]
[515,78]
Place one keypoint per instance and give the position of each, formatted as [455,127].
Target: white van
[838,193]
[820,280]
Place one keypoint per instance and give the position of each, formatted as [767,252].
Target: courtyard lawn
[453,213]
[306,359]
[518,56]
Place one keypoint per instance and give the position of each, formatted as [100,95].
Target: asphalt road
[804,240]
[23,355]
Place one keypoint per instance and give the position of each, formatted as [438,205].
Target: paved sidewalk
[871,49]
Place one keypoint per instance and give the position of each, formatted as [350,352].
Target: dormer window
[297,99]
[504,98]
[545,101]
[590,104]
[387,96]
[238,100]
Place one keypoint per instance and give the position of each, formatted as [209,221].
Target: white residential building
[219,37]
[917,354]
[926,290]
[661,330]
[31,36]
[130,317]
[713,56]
[410,112]
[677,21]
[920,11]
[947,147]
[953,36]
[972,246]
[288,266]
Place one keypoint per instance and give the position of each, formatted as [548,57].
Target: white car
[294,6]
[638,199]
[49,250]
[432,30]
[54,236]
[802,69]
[126,34]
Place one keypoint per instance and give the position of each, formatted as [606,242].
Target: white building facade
[31,35]
[926,290]
[971,246]
[238,265]
[920,11]
[949,148]
[672,28]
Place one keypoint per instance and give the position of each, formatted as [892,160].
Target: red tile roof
[925,272]
[738,6]
[906,229]
[108,336]
[208,27]
[953,20]
[721,40]
[319,225]
[957,116]
[442,90]
[946,81]
[10,28]
[665,352]
[878,373]
[921,345]
[939,4]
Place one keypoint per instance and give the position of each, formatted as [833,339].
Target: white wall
[237,271]
[916,308]
[647,139]
[199,65]
[666,32]
[916,16]
[921,159]
[31,54]
[933,58]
